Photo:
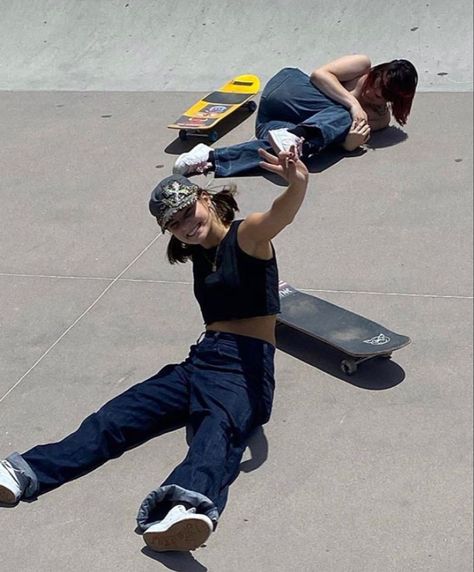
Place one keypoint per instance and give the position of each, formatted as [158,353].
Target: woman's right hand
[288,165]
[358,114]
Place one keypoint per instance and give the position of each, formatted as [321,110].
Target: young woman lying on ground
[341,103]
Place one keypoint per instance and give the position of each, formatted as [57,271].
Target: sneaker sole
[6,496]
[186,535]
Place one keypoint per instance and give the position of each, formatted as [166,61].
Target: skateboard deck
[201,118]
[357,337]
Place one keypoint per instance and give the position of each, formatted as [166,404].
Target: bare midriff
[260,327]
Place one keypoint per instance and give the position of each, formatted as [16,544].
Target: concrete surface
[366,474]
[180,46]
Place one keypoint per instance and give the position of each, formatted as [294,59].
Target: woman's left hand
[288,165]
[359,134]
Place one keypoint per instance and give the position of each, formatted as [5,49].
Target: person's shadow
[388,137]
[257,446]
[179,561]
[391,135]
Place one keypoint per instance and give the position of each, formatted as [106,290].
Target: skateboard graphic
[201,118]
[357,337]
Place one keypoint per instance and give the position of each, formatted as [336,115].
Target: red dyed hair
[398,80]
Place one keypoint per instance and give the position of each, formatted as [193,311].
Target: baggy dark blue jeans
[288,100]
[224,390]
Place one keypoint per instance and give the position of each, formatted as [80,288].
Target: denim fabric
[224,390]
[288,100]
[157,504]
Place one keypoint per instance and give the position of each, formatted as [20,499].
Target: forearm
[265,226]
[329,84]
[286,206]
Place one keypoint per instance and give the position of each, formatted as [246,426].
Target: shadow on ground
[382,139]
[176,147]
[375,374]
[184,561]
[257,446]
[179,561]
[387,137]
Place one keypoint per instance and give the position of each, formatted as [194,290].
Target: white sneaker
[194,161]
[181,529]
[282,140]
[11,489]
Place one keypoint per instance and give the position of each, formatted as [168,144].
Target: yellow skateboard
[203,116]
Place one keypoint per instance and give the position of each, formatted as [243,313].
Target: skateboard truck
[350,366]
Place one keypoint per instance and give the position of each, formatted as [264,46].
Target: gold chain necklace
[212,262]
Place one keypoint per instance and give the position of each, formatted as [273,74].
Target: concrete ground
[369,473]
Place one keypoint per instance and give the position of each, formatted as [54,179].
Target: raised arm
[330,78]
[258,228]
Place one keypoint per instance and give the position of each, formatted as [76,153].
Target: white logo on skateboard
[283,292]
[284,289]
[379,340]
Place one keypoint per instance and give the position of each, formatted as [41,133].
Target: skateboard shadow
[176,147]
[179,561]
[375,374]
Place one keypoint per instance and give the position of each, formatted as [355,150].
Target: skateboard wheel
[348,366]
[183,134]
[251,106]
[213,136]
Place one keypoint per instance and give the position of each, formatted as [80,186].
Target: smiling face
[192,224]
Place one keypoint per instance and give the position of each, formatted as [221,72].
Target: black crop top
[241,286]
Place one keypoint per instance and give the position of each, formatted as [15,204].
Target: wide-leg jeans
[223,390]
[288,100]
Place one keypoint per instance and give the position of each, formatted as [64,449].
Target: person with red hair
[339,103]
[369,93]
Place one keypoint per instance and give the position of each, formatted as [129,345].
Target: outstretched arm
[262,227]
[331,77]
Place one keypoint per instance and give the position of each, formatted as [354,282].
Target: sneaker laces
[202,168]
[290,139]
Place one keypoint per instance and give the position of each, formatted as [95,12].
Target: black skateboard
[357,337]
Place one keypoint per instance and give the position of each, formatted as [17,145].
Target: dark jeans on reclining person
[288,100]
[224,390]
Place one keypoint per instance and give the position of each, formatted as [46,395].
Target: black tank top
[241,286]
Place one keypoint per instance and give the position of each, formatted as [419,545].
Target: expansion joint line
[79,318]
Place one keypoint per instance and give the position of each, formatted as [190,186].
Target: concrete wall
[177,45]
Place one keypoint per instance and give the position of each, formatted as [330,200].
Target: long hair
[398,81]
[225,207]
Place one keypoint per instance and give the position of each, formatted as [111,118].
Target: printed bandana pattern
[174,197]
